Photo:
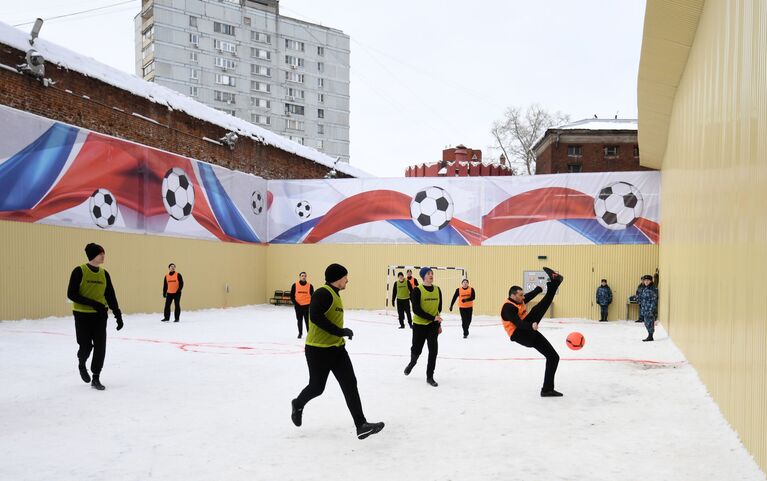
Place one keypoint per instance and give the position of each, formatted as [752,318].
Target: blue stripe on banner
[296,233]
[227,215]
[446,236]
[599,234]
[30,173]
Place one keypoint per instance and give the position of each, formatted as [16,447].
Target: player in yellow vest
[400,295]
[427,304]
[465,296]
[521,325]
[301,295]
[172,285]
[90,289]
[326,352]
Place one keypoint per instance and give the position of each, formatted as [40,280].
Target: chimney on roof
[460,153]
[502,160]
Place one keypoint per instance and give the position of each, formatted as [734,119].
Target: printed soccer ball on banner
[431,209]
[103,208]
[618,205]
[303,209]
[257,202]
[177,193]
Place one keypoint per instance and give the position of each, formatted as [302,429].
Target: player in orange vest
[465,296]
[522,325]
[411,280]
[301,295]
[172,285]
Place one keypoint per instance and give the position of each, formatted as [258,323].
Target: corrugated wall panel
[714,174]
[492,270]
[37,260]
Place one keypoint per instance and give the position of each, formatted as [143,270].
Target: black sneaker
[465,336]
[409,368]
[639,320]
[299,336]
[554,276]
[551,393]
[648,339]
[431,382]
[368,429]
[176,320]
[296,413]
[96,384]
[84,374]
[401,327]
[164,320]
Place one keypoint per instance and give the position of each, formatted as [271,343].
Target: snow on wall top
[90,67]
[600,124]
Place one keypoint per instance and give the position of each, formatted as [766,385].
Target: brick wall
[554,158]
[178,133]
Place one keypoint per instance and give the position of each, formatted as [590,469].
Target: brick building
[459,161]
[590,145]
[92,95]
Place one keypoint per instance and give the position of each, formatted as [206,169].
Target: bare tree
[518,131]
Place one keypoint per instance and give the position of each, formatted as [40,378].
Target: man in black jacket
[522,326]
[90,289]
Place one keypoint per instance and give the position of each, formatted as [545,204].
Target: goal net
[448,278]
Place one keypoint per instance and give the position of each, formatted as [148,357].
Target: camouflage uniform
[648,306]
[604,299]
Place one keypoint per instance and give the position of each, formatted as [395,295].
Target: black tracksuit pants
[466,313]
[91,332]
[324,360]
[302,313]
[425,333]
[536,340]
[175,298]
[403,308]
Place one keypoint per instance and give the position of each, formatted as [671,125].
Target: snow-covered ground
[209,399]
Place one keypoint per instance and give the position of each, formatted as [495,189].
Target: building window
[223,46]
[320,83]
[220,96]
[194,39]
[260,119]
[246,21]
[231,112]
[225,80]
[260,70]
[224,28]
[260,86]
[294,45]
[321,51]
[320,67]
[321,98]
[194,74]
[297,139]
[193,92]
[574,151]
[574,168]
[293,124]
[192,21]
[148,34]
[320,144]
[147,51]
[294,93]
[294,109]
[294,77]
[320,129]
[193,57]
[320,113]
[294,61]
[261,37]
[260,53]
[636,151]
[261,103]
[611,151]
[148,69]
[225,63]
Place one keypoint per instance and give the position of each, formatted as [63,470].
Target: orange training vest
[464,294]
[508,325]
[172,280]
[303,298]
[411,281]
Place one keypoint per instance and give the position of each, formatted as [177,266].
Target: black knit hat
[92,250]
[335,272]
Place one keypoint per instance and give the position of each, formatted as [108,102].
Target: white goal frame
[391,276]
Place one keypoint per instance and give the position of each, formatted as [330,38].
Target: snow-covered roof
[599,124]
[164,96]
[463,163]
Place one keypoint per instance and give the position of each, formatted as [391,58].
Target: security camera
[230,139]
[34,65]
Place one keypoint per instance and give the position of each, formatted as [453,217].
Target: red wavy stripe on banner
[538,205]
[469,232]
[360,209]
[649,228]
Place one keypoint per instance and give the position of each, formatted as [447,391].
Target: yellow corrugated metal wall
[714,174]
[37,260]
[492,270]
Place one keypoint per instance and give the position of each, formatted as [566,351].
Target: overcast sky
[427,74]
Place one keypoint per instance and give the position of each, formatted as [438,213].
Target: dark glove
[451,308]
[163,294]
[119,319]
[348,333]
